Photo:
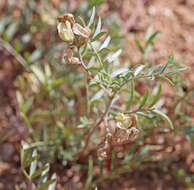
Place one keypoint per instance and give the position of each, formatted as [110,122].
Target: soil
[175,19]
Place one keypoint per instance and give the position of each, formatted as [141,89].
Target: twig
[94,129]
[88,72]
[82,62]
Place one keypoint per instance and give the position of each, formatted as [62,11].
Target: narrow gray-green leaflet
[164,117]
[144,99]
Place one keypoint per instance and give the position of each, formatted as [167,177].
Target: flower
[123,121]
[70,32]
[65,32]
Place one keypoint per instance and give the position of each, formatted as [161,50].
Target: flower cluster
[73,34]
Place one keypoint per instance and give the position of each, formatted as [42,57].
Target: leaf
[98,28]
[106,43]
[44,175]
[11,30]
[38,72]
[157,95]
[138,69]
[118,72]
[92,17]
[28,104]
[36,54]
[170,61]
[84,49]
[24,155]
[90,169]
[97,97]
[29,161]
[130,101]
[175,71]
[96,2]
[3,22]
[98,36]
[143,115]
[149,32]
[46,184]
[114,56]
[151,38]
[145,97]
[138,44]
[33,164]
[53,185]
[114,160]
[130,154]
[101,166]
[88,55]
[142,152]
[39,171]
[82,22]
[164,117]
[166,79]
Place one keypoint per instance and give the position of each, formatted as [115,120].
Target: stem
[13,52]
[89,73]
[82,62]
[97,55]
[94,128]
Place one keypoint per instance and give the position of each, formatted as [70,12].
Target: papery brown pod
[82,34]
[67,17]
[69,57]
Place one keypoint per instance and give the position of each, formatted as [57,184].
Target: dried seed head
[65,32]
[67,17]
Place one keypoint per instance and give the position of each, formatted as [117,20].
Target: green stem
[97,55]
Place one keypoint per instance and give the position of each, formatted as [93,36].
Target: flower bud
[65,32]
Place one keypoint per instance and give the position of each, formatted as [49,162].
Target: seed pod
[67,17]
[69,57]
[82,34]
[65,32]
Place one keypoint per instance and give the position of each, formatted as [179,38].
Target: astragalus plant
[94,106]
